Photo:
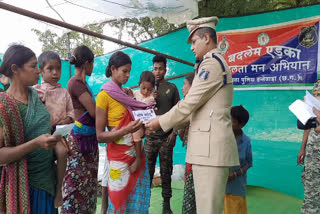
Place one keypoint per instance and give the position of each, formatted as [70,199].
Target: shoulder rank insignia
[204,75]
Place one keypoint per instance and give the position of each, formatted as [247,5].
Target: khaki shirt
[211,140]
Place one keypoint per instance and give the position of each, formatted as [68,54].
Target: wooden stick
[85,31]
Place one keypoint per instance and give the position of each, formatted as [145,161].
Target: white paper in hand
[63,130]
[311,101]
[302,111]
[144,115]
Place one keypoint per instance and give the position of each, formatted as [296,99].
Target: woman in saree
[80,182]
[26,147]
[128,188]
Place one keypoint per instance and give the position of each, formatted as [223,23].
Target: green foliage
[141,29]
[60,44]
[245,7]
[95,44]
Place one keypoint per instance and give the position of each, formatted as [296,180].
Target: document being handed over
[303,109]
[144,115]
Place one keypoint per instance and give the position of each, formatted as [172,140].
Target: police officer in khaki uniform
[212,147]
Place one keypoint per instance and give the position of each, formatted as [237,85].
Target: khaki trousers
[210,186]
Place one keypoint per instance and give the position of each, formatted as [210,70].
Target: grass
[260,201]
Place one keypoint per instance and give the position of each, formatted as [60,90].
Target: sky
[16,28]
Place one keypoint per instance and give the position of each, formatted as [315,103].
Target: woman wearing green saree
[26,147]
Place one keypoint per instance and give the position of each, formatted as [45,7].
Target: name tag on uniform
[144,115]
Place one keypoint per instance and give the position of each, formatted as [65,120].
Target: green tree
[141,29]
[60,44]
[246,7]
[138,29]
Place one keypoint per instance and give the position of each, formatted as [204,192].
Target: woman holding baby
[128,182]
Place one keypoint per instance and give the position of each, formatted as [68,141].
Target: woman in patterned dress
[80,181]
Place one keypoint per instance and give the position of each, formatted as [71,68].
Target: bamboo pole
[85,31]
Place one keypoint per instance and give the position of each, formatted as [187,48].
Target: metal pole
[69,54]
[85,31]
[68,35]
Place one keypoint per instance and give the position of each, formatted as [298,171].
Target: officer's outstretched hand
[153,125]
